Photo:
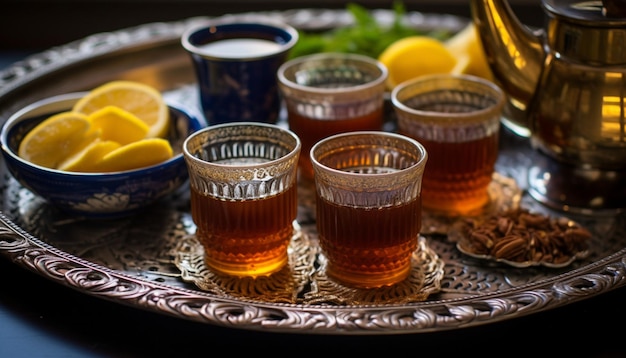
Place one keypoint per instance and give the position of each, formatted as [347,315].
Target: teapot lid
[599,13]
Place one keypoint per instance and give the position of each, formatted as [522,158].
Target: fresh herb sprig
[366,36]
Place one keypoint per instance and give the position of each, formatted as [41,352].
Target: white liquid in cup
[240,48]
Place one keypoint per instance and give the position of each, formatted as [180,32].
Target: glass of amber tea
[457,119]
[368,207]
[331,93]
[243,182]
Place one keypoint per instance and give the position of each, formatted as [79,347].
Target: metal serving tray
[142,261]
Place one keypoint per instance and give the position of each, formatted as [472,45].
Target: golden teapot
[566,83]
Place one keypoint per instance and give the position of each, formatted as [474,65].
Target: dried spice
[519,236]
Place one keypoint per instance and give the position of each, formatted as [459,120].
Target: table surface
[40,318]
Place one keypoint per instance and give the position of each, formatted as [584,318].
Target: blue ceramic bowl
[95,195]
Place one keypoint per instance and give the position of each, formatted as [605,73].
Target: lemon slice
[143,101]
[462,65]
[87,159]
[118,125]
[414,56]
[139,154]
[56,138]
[466,44]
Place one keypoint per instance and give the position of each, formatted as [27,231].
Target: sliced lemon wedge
[139,154]
[87,159]
[466,45]
[118,125]
[142,100]
[55,139]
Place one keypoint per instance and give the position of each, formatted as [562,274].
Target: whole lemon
[415,56]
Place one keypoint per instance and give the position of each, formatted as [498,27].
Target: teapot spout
[515,55]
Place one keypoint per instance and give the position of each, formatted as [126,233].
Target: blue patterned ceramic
[95,195]
[235,64]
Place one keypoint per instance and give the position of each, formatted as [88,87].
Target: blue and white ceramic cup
[235,63]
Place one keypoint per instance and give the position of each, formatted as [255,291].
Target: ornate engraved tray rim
[45,74]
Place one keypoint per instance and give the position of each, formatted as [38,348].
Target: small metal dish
[520,238]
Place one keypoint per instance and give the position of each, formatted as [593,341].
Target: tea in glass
[457,119]
[243,179]
[368,208]
[331,93]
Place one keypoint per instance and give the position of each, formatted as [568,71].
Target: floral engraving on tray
[504,194]
[283,286]
[423,281]
[304,280]
[441,314]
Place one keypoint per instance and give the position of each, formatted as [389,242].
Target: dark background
[30,25]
